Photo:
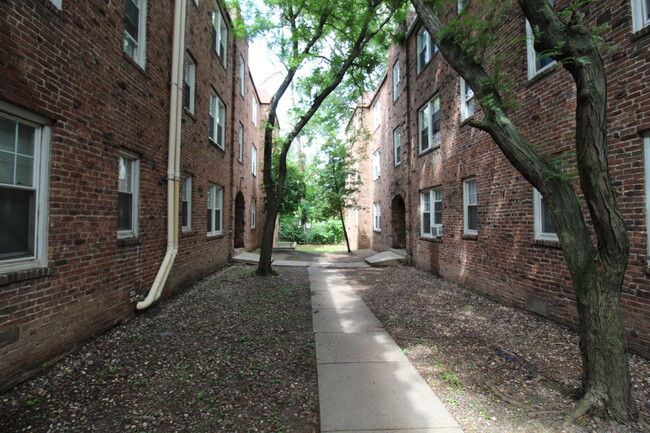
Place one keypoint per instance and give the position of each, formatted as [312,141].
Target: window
[57,3]
[254,113]
[215,204]
[425,49]
[640,14]
[254,161]
[544,227]
[253,214]
[431,213]
[240,143]
[220,36]
[242,76]
[377,217]
[189,84]
[537,62]
[217,125]
[396,81]
[466,100]
[186,204]
[397,146]
[470,205]
[24,156]
[135,32]
[376,164]
[429,125]
[462,4]
[376,111]
[127,196]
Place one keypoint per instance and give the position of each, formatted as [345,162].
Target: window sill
[543,74]
[187,231]
[10,277]
[547,243]
[133,62]
[216,236]
[470,236]
[376,231]
[214,143]
[125,242]
[434,240]
[641,33]
[189,113]
[465,122]
[424,152]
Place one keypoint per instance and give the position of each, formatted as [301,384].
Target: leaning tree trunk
[268,233]
[345,232]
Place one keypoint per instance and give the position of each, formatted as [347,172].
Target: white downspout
[173,166]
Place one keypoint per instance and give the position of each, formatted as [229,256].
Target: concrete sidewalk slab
[345,319]
[336,348]
[335,299]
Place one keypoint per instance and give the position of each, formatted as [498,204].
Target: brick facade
[67,68]
[504,259]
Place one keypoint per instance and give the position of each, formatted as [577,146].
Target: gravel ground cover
[494,367]
[234,353]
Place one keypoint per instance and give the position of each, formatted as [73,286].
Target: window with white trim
[253,214]
[397,146]
[640,14]
[376,111]
[240,143]
[376,217]
[242,76]
[537,62]
[470,207]
[215,206]
[376,164]
[57,3]
[128,196]
[429,135]
[24,162]
[396,81]
[431,213]
[544,227]
[426,49]
[217,121]
[254,160]
[466,100]
[186,204]
[189,83]
[135,30]
[254,112]
[220,35]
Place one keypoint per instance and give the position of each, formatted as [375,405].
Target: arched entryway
[240,222]
[398,222]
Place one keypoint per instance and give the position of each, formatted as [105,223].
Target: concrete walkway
[365,383]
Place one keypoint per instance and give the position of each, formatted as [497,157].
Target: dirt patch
[474,353]
[234,353]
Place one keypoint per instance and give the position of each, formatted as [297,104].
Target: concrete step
[387,258]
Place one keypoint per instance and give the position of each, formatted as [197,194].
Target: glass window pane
[217,220]
[6,168]
[7,135]
[124,211]
[184,213]
[132,19]
[16,223]
[426,223]
[26,139]
[125,175]
[472,217]
[437,208]
[209,220]
[547,220]
[24,170]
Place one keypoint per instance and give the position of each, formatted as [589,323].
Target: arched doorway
[240,222]
[398,222]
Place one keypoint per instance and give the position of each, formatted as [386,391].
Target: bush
[326,233]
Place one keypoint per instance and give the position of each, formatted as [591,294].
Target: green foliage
[328,232]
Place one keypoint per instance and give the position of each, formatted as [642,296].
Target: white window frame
[242,76]
[217,117]
[646,153]
[425,117]
[538,207]
[423,46]
[533,68]
[640,14]
[215,203]
[397,146]
[240,143]
[467,101]
[57,3]
[189,81]
[428,200]
[254,110]
[186,197]
[376,217]
[253,214]
[135,192]
[254,160]
[396,81]
[376,164]
[40,185]
[220,35]
[376,113]
[468,201]
[140,49]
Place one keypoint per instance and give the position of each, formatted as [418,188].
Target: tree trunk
[264,268]
[345,232]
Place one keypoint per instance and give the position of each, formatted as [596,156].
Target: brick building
[442,189]
[88,121]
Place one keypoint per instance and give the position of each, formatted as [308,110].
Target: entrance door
[240,222]
[398,222]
